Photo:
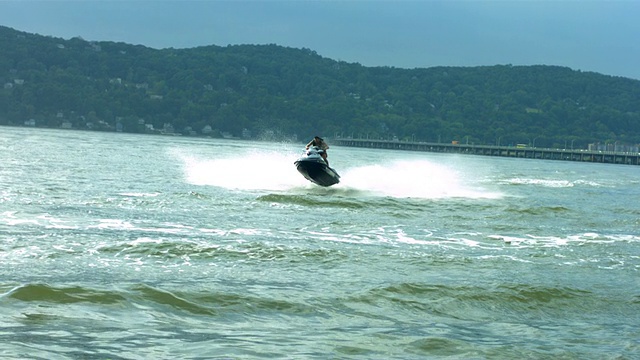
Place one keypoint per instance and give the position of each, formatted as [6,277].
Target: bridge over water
[610,157]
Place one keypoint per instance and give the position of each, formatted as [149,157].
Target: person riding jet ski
[320,144]
[313,164]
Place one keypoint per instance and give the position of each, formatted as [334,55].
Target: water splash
[413,179]
[275,171]
[268,170]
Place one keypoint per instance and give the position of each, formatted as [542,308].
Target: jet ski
[313,167]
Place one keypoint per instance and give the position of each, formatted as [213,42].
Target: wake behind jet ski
[315,169]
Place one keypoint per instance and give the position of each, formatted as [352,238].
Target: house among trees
[167,129]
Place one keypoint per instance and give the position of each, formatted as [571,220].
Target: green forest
[273,92]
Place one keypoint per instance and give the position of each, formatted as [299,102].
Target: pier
[609,157]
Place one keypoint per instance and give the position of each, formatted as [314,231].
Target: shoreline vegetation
[276,93]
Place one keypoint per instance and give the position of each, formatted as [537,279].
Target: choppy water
[116,246]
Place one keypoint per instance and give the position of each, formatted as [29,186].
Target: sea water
[121,246]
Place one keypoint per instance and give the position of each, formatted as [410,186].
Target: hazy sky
[597,35]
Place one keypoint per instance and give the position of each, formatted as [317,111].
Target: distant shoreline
[590,156]
[527,152]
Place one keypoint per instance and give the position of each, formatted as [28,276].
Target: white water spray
[412,179]
[274,171]
[249,171]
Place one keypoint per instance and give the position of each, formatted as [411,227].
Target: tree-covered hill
[269,90]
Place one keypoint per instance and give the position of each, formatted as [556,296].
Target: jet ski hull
[316,170]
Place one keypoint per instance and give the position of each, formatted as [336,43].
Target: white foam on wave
[551,183]
[139,194]
[541,182]
[558,241]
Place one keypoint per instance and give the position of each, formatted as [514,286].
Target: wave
[68,295]
[480,302]
[153,298]
[538,210]
[224,250]
[315,200]
[158,296]
[490,303]
[205,318]
[550,183]
[575,239]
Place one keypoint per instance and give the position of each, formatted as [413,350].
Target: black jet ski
[313,167]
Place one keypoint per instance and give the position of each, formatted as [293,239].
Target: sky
[589,35]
